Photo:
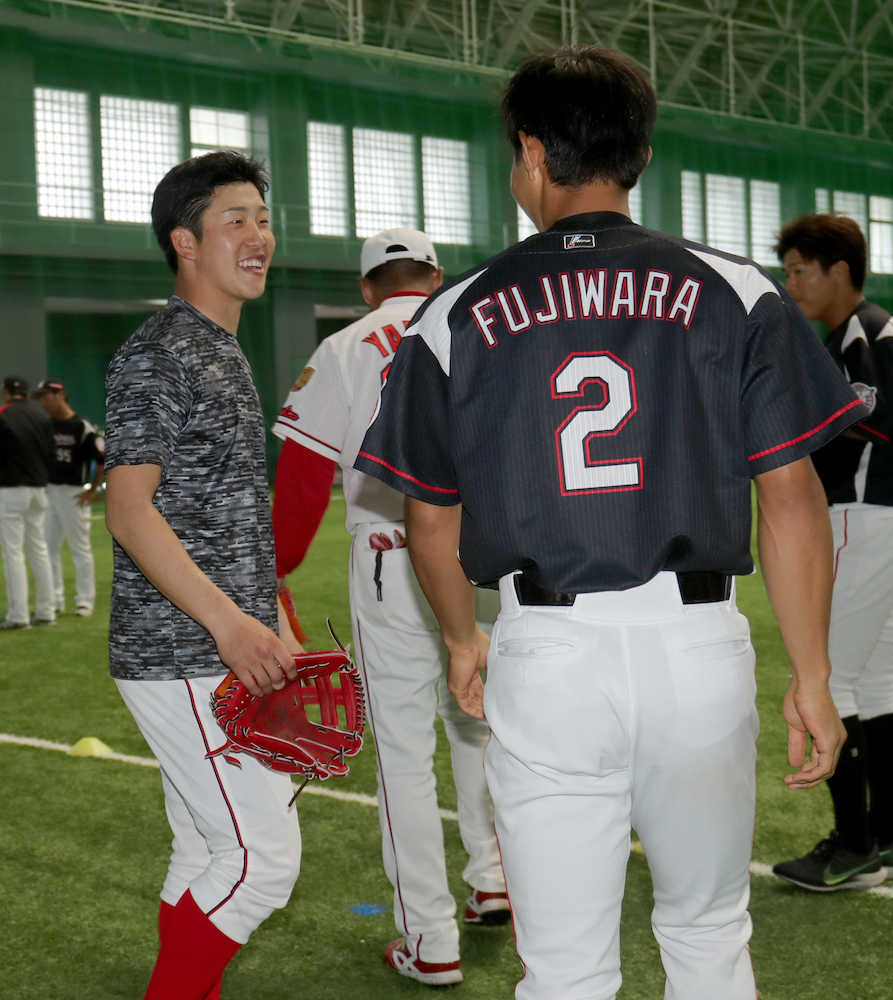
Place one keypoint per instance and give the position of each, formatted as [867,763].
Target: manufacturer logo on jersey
[867,394]
[580,241]
[304,378]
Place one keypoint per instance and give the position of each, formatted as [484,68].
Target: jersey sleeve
[148,402]
[92,446]
[303,487]
[861,370]
[794,398]
[407,444]
[882,354]
[316,413]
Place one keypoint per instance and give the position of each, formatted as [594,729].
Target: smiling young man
[194,590]
[824,259]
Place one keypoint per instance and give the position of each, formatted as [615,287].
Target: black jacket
[27,448]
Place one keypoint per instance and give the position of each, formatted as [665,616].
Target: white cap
[396,244]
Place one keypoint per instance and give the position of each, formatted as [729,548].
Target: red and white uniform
[396,636]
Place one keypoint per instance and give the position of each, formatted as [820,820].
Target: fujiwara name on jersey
[593,293]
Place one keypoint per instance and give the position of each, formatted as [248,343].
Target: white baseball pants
[402,660]
[236,844]
[860,641]
[22,516]
[68,520]
[627,710]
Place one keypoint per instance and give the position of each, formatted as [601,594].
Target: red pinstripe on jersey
[808,434]
[405,475]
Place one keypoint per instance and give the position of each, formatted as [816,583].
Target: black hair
[15,385]
[827,239]
[185,191]
[393,275]
[592,108]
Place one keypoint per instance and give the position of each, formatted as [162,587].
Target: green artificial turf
[84,841]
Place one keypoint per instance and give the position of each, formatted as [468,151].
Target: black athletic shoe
[830,866]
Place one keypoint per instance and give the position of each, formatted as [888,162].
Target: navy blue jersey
[598,399]
[858,466]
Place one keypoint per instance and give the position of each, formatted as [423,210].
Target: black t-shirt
[861,469]
[78,445]
[598,399]
[26,444]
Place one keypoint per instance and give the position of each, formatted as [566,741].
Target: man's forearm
[796,552]
[432,535]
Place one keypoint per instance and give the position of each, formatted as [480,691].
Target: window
[731,214]
[140,143]
[62,154]
[211,129]
[874,216]
[692,206]
[880,226]
[384,181]
[635,204]
[387,183]
[445,190]
[327,171]
[525,226]
[852,204]
[765,221]
[726,214]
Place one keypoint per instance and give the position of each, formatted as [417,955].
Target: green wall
[73,290]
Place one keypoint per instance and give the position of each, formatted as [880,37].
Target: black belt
[695,588]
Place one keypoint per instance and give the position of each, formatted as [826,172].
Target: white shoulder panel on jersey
[434,322]
[747,281]
[854,331]
[886,331]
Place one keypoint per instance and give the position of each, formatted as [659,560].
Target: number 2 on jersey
[577,375]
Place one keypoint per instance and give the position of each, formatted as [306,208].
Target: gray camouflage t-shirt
[180,395]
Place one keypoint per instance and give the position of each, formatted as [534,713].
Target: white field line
[757,868]
[311,788]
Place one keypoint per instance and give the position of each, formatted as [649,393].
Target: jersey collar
[592,220]
[402,295]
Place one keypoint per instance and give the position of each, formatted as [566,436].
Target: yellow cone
[90,746]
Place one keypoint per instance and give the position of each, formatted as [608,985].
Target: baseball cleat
[8,626]
[487,908]
[829,866]
[83,610]
[430,973]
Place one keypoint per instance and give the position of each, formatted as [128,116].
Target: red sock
[165,919]
[165,911]
[192,956]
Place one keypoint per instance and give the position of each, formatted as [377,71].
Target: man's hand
[255,654]
[467,660]
[811,713]
[86,497]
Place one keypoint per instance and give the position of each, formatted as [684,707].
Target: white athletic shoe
[430,973]
[83,610]
[487,908]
